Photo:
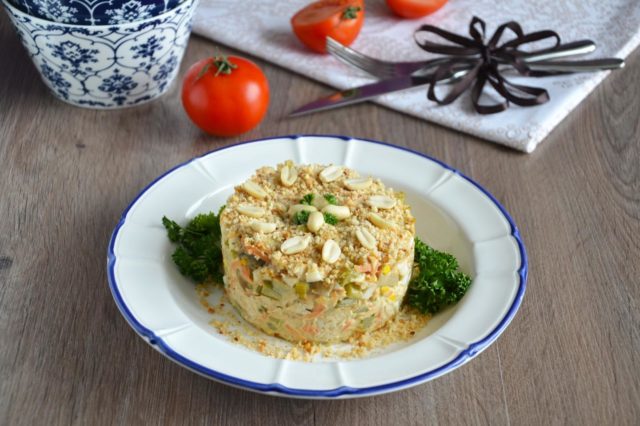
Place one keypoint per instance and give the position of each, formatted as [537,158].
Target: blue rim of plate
[464,356]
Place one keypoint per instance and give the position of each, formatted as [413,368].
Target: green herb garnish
[307,199]
[174,231]
[436,282]
[301,217]
[330,219]
[199,252]
[331,199]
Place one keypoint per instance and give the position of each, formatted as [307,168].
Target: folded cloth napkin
[261,28]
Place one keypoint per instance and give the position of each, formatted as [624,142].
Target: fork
[385,69]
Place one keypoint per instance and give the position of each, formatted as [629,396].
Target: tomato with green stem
[338,19]
[414,8]
[225,96]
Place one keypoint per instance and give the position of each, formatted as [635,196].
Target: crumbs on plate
[228,323]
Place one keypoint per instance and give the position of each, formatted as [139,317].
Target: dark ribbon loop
[482,59]
[513,26]
[470,47]
[531,38]
[477,34]
[456,89]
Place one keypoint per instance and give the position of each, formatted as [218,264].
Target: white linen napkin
[261,28]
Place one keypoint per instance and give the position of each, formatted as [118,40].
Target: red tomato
[225,96]
[415,8]
[338,19]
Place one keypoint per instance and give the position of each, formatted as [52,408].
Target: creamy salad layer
[316,253]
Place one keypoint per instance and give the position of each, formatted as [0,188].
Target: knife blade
[395,84]
[369,91]
[372,90]
[361,94]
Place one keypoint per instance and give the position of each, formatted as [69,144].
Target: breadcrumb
[227,323]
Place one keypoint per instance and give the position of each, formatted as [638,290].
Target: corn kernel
[384,290]
[393,297]
[301,290]
[386,269]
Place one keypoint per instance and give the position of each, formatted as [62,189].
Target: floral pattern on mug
[73,56]
[131,11]
[95,12]
[107,66]
[56,79]
[56,11]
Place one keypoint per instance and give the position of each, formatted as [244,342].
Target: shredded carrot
[257,252]
[347,324]
[363,268]
[318,309]
[243,270]
[295,332]
[310,329]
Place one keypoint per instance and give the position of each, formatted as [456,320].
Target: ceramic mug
[95,12]
[107,66]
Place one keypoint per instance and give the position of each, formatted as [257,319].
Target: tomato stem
[223,65]
[221,62]
[350,12]
[203,71]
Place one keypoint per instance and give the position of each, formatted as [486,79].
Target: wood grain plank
[470,395]
[580,316]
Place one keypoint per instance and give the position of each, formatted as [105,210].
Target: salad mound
[316,253]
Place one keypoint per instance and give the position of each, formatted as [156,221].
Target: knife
[372,90]
[364,93]
[421,77]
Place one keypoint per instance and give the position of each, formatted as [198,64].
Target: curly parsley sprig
[199,252]
[436,282]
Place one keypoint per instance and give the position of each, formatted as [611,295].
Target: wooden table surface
[67,356]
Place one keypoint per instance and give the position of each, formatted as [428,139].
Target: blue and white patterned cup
[94,12]
[107,66]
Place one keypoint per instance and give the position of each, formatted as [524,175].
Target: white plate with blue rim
[453,213]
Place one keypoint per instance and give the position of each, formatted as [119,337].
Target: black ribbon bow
[482,61]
